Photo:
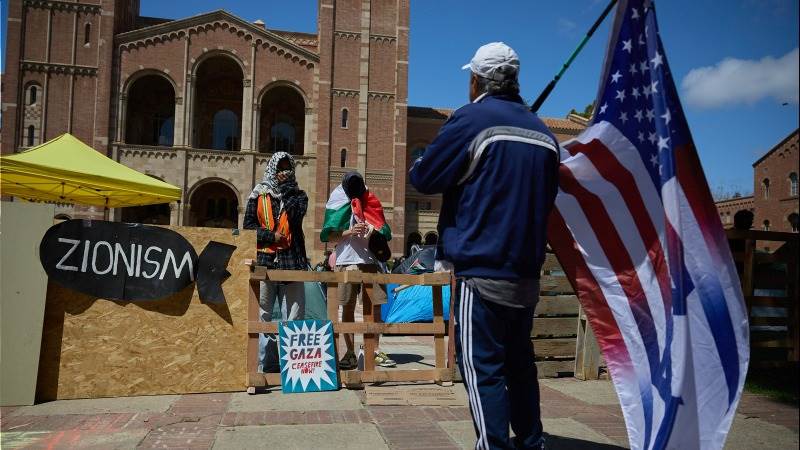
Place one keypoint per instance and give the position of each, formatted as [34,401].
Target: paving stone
[428,435]
[73,439]
[560,433]
[152,403]
[594,392]
[768,410]
[749,433]
[277,401]
[573,419]
[462,432]
[566,433]
[200,404]
[199,434]
[287,437]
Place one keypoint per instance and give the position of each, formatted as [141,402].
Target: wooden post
[587,353]
[749,266]
[333,316]
[791,292]
[451,328]
[369,317]
[252,338]
[438,339]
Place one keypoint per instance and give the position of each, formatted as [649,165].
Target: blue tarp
[414,304]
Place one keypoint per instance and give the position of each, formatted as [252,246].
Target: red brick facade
[775,187]
[728,208]
[64,50]
[169,97]
[774,202]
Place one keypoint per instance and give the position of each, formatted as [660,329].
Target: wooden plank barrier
[769,284]
[443,371]
[555,323]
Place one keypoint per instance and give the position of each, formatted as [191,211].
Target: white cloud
[734,81]
[565,26]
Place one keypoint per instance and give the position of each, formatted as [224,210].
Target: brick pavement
[195,421]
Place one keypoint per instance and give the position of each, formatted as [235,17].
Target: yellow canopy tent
[67,170]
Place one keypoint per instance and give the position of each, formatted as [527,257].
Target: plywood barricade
[94,347]
[444,368]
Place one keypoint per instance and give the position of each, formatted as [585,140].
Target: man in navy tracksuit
[497,165]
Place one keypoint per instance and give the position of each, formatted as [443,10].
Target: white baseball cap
[491,57]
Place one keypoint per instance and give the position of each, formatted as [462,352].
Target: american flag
[637,232]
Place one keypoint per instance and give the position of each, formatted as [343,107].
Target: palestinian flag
[340,209]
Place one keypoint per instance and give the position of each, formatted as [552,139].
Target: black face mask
[353,185]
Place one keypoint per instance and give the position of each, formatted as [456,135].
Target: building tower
[363,92]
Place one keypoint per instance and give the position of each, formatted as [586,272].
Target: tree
[587,111]
[726,192]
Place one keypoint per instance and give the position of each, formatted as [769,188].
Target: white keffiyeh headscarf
[269,184]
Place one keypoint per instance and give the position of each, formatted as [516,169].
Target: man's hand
[279,238]
[359,229]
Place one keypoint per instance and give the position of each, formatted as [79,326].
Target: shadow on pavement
[404,358]
[565,443]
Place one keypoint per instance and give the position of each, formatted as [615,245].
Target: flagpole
[547,90]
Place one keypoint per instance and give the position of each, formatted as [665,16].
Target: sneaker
[383,360]
[349,361]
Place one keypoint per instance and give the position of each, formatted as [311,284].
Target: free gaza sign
[131,262]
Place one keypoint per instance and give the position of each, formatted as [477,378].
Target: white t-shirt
[354,250]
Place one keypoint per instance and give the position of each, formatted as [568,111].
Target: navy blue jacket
[497,165]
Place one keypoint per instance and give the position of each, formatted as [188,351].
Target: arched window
[765,187]
[32,94]
[166,131]
[794,222]
[87,34]
[31,131]
[282,135]
[343,161]
[225,134]
[345,118]
[150,111]
[793,184]
[766,225]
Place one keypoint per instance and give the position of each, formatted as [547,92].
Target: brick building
[729,207]
[201,102]
[775,187]
[774,202]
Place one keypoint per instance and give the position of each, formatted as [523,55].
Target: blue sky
[741,55]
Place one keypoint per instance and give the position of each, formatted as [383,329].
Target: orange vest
[266,220]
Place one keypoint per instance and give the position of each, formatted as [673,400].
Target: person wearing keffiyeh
[276,209]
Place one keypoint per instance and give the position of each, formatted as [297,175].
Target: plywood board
[23,285]
[99,348]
